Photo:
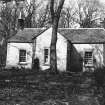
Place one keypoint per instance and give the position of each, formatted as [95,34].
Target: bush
[99,76]
[53,102]
[36,64]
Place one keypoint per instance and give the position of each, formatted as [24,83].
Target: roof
[81,35]
[26,35]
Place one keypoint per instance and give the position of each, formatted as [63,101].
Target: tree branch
[52,9]
[61,2]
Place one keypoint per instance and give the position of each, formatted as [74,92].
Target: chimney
[20,22]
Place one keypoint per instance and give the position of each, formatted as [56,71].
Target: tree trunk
[3,56]
[53,54]
[55,15]
[5,53]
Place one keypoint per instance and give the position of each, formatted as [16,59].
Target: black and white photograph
[52,52]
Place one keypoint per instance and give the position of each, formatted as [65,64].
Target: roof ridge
[80,28]
[67,28]
[35,28]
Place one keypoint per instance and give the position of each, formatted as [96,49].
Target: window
[46,56]
[88,58]
[22,56]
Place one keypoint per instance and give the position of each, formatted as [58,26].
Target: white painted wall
[44,41]
[13,54]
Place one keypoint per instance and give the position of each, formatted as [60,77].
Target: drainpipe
[33,50]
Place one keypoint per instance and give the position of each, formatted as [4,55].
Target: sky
[103,1]
[66,1]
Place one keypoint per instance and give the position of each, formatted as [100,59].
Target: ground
[38,88]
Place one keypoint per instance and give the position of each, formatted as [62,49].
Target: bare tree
[31,12]
[55,16]
[44,19]
[36,15]
[88,12]
[83,13]
[68,16]
[8,20]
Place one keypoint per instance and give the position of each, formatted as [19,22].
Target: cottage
[77,49]
[20,48]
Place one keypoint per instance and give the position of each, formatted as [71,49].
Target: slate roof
[26,35]
[84,35]
[81,35]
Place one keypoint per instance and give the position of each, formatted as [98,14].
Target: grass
[27,87]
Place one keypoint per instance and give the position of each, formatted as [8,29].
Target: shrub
[36,64]
[53,102]
[99,76]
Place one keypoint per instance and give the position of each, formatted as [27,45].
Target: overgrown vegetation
[48,87]
[99,75]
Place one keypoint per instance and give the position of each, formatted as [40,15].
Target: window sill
[23,63]
[89,66]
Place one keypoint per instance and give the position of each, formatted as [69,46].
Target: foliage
[36,65]
[99,75]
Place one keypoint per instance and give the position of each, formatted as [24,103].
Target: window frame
[85,64]
[48,62]
[23,62]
